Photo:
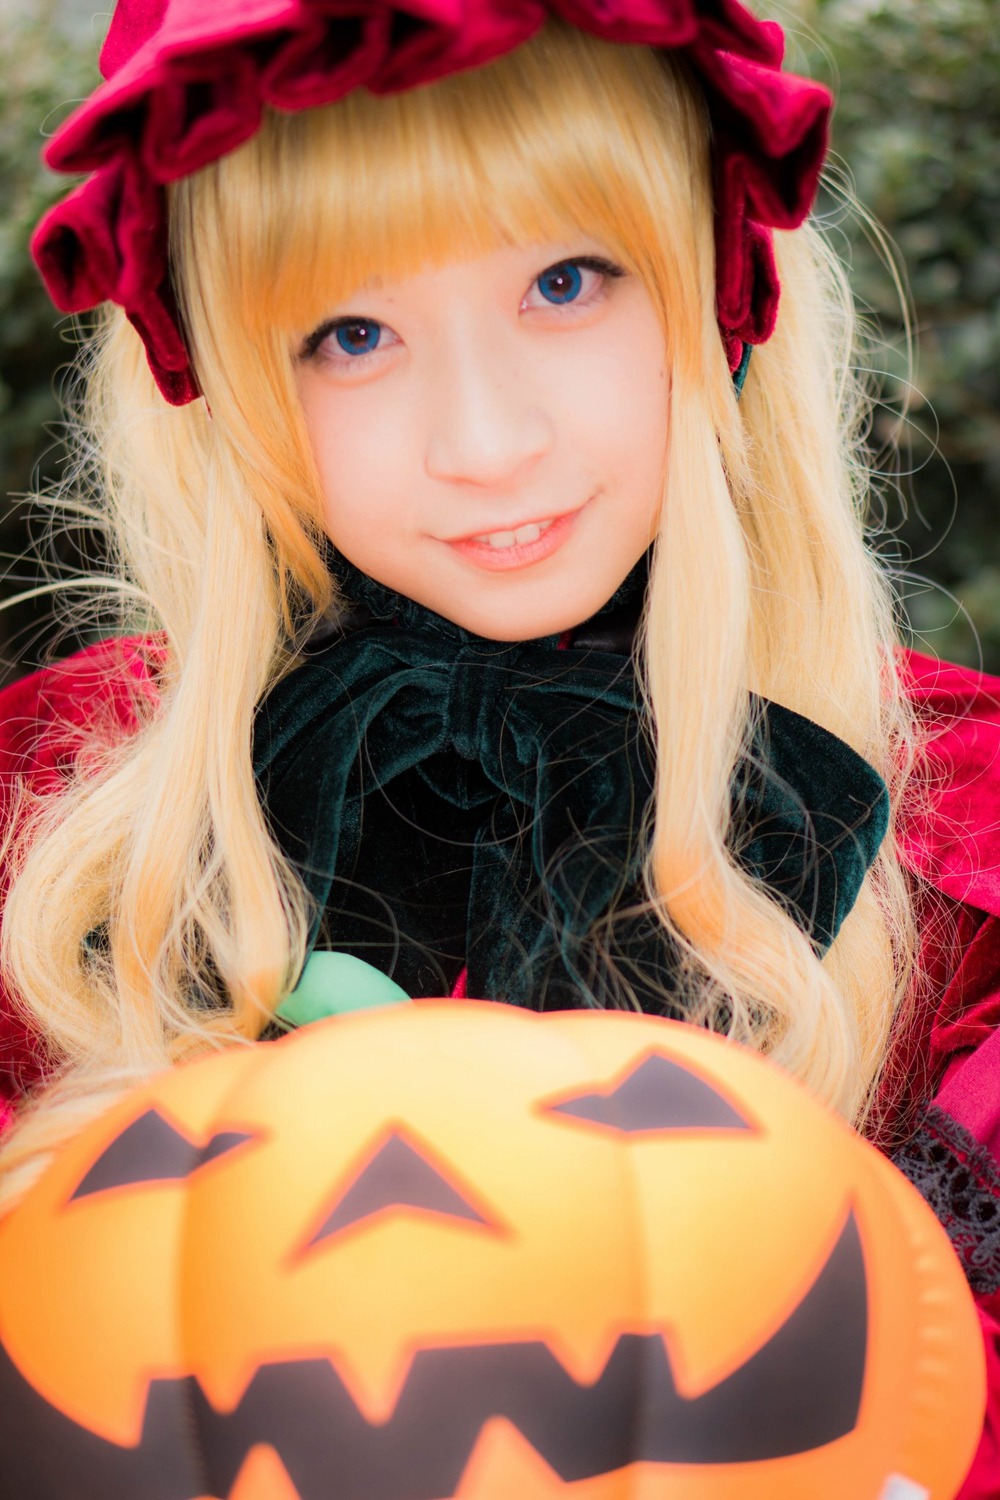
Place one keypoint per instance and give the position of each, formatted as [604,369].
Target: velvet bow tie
[511,781]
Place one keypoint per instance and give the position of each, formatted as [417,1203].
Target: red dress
[952,1046]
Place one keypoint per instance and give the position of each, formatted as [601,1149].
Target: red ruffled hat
[187,80]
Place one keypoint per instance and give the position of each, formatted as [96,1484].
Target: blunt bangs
[564,135]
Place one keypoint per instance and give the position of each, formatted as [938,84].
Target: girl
[488,614]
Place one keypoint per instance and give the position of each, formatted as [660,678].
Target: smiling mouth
[530,532]
[518,547]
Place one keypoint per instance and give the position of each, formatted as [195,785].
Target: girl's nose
[488,424]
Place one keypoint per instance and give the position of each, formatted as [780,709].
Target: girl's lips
[520,555]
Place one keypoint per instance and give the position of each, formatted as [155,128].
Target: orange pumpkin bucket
[457,1251]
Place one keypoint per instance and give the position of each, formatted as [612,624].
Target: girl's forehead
[321,203]
[483,260]
[503,263]
[323,263]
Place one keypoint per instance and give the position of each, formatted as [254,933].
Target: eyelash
[606,269]
[313,343]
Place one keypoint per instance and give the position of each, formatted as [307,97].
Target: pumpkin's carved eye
[152,1150]
[400,1174]
[657,1094]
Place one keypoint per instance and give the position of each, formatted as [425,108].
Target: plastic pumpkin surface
[458,1251]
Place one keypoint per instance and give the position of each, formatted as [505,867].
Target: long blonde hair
[761,579]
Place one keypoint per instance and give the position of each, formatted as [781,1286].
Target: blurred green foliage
[50,59]
[917,128]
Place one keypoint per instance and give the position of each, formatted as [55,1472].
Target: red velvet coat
[952,1045]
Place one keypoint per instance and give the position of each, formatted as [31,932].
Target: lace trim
[960,1179]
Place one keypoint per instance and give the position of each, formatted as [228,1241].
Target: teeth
[518,538]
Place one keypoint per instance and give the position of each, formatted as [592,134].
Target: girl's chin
[521,619]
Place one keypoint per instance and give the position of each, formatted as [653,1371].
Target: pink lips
[520,555]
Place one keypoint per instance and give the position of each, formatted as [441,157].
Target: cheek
[640,425]
[641,389]
[618,408]
[361,451]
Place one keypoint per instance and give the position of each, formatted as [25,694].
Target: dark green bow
[488,800]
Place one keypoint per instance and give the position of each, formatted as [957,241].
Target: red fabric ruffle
[45,721]
[956,848]
[983,1480]
[187,81]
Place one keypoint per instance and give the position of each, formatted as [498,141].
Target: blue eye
[359,337]
[561,283]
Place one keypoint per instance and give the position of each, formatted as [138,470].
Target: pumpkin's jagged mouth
[801,1390]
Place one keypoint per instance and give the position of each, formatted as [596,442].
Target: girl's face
[491,435]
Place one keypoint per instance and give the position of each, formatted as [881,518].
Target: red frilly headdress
[187,80]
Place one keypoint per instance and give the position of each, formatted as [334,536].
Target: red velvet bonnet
[187,80]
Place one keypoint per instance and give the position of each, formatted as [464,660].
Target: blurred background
[916,136]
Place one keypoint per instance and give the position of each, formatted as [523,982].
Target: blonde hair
[761,579]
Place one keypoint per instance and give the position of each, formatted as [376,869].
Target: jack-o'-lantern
[459,1250]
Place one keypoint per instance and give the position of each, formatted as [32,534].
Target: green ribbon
[334,984]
